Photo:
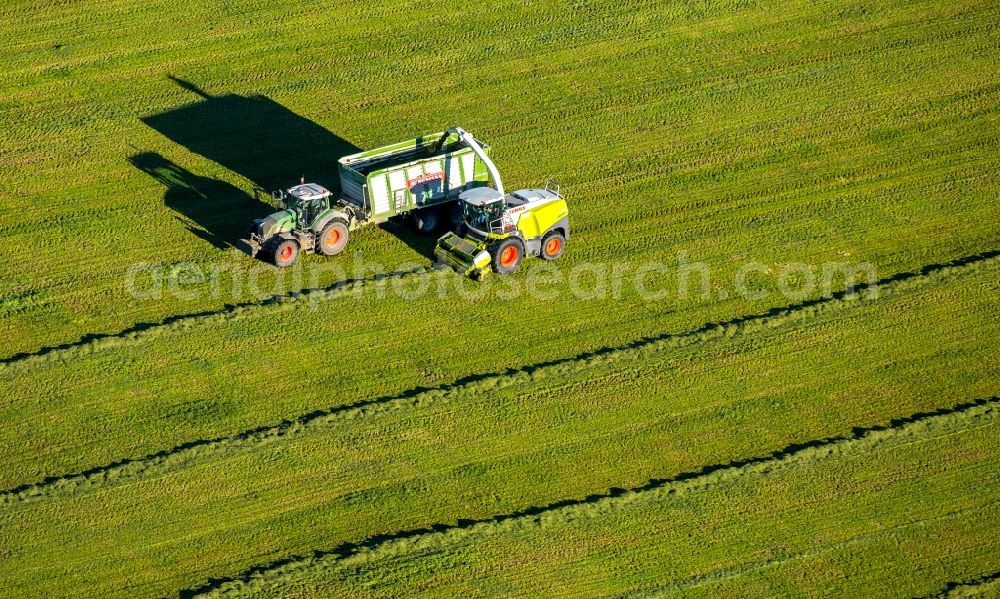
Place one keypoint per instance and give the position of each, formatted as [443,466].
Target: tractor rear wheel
[333,238]
[507,255]
[285,253]
[553,245]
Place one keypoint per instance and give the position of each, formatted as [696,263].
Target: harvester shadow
[257,138]
[349,548]
[253,136]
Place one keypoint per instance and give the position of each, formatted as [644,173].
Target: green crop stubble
[184,400]
[907,504]
[638,350]
[743,126]
[734,131]
[502,446]
[735,176]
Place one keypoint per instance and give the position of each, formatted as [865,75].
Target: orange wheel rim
[552,246]
[332,236]
[286,252]
[508,256]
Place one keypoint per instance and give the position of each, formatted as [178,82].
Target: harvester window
[480,217]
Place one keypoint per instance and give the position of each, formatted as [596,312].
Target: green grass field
[284,434]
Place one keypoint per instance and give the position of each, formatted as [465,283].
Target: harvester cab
[306,222]
[483,209]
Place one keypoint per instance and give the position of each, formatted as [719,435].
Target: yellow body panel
[535,222]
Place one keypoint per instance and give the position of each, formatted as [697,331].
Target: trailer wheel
[285,253]
[427,221]
[508,255]
[553,245]
[333,237]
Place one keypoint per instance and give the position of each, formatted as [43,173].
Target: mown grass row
[832,516]
[786,141]
[869,136]
[512,444]
[735,131]
[122,471]
[981,586]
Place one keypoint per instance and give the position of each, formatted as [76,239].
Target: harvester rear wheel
[333,238]
[553,245]
[507,255]
[285,253]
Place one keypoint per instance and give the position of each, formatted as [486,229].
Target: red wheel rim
[286,252]
[552,246]
[332,236]
[508,256]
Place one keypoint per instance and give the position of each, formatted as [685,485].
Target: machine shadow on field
[213,210]
[255,137]
[258,139]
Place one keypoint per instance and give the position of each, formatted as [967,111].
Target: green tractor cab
[502,229]
[307,222]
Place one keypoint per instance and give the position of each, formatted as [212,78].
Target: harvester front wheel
[507,255]
[333,237]
[285,253]
[553,245]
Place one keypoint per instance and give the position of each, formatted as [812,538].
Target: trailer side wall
[410,175]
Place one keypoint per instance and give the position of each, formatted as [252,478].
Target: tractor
[307,222]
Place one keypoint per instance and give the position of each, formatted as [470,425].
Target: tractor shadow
[213,210]
[258,139]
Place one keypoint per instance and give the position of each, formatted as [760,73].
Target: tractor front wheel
[285,253]
[333,237]
[507,255]
[553,245]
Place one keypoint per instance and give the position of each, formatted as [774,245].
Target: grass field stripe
[184,323]
[845,133]
[982,412]
[130,468]
[736,572]
[98,342]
